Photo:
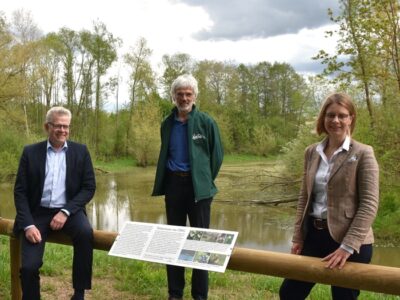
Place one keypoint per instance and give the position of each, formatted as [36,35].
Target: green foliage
[257,107]
[387,223]
[385,139]
[293,152]
[223,122]
[145,143]
[5,290]
[175,65]
[165,107]
[264,141]
[11,144]
[240,129]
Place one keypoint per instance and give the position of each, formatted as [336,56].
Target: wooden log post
[368,277]
[15,265]
[354,275]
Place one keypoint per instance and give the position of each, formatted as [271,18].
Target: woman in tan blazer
[338,199]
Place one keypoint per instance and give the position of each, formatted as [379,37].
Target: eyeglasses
[59,126]
[182,94]
[332,116]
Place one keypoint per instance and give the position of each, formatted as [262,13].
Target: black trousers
[319,243]
[79,229]
[180,205]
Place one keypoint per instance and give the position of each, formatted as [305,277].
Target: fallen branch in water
[260,202]
[99,170]
[283,181]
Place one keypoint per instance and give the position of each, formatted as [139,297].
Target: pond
[126,197]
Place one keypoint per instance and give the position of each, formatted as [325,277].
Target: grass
[245,158]
[118,278]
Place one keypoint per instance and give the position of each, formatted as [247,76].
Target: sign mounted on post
[198,248]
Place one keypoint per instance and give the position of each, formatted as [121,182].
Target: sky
[241,31]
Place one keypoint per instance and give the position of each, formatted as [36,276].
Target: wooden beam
[368,277]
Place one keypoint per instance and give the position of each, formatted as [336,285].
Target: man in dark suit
[54,182]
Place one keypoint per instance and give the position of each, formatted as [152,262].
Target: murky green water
[126,197]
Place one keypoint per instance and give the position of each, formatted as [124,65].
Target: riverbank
[118,278]
[386,229]
[128,164]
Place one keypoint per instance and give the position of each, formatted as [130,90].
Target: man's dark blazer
[28,189]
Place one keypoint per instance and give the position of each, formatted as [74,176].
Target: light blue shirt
[54,195]
[54,181]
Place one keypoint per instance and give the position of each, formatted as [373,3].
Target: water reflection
[126,197]
[123,197]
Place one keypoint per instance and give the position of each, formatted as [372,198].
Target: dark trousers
[79,229]
[319,243]
[180,204]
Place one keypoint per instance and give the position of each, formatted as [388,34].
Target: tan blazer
[353,195]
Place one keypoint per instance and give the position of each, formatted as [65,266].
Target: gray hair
[184,81]
[57,110]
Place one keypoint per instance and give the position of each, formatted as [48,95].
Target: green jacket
[205,153]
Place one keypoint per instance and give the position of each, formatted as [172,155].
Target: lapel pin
[353,158]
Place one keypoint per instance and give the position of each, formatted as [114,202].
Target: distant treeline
[262,109]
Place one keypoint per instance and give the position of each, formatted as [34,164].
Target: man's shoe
[78,295]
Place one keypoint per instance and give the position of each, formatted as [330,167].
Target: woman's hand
[336,259]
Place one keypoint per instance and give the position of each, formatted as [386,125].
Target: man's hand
[58,221]
[336,259]
[296,248]
[33,235]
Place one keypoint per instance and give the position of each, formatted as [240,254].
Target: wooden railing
[357,276]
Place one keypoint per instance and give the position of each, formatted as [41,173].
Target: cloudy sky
[242,31]
[228,30]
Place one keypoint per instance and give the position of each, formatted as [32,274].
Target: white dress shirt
[320,197]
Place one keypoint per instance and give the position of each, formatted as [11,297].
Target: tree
[24,28]
[174,66]
[70,42]
[141,77]
[11,70]
[356,49]
[102,45]
[214,80]
[387,28]
[23,48]
[145,130]
[245,90]
[47,62]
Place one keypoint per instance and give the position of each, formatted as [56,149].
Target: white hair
[57,110]
[184,81]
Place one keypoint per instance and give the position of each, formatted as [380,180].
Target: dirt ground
[60,288]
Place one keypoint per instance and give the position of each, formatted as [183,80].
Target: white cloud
[295,49]
[170,26]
